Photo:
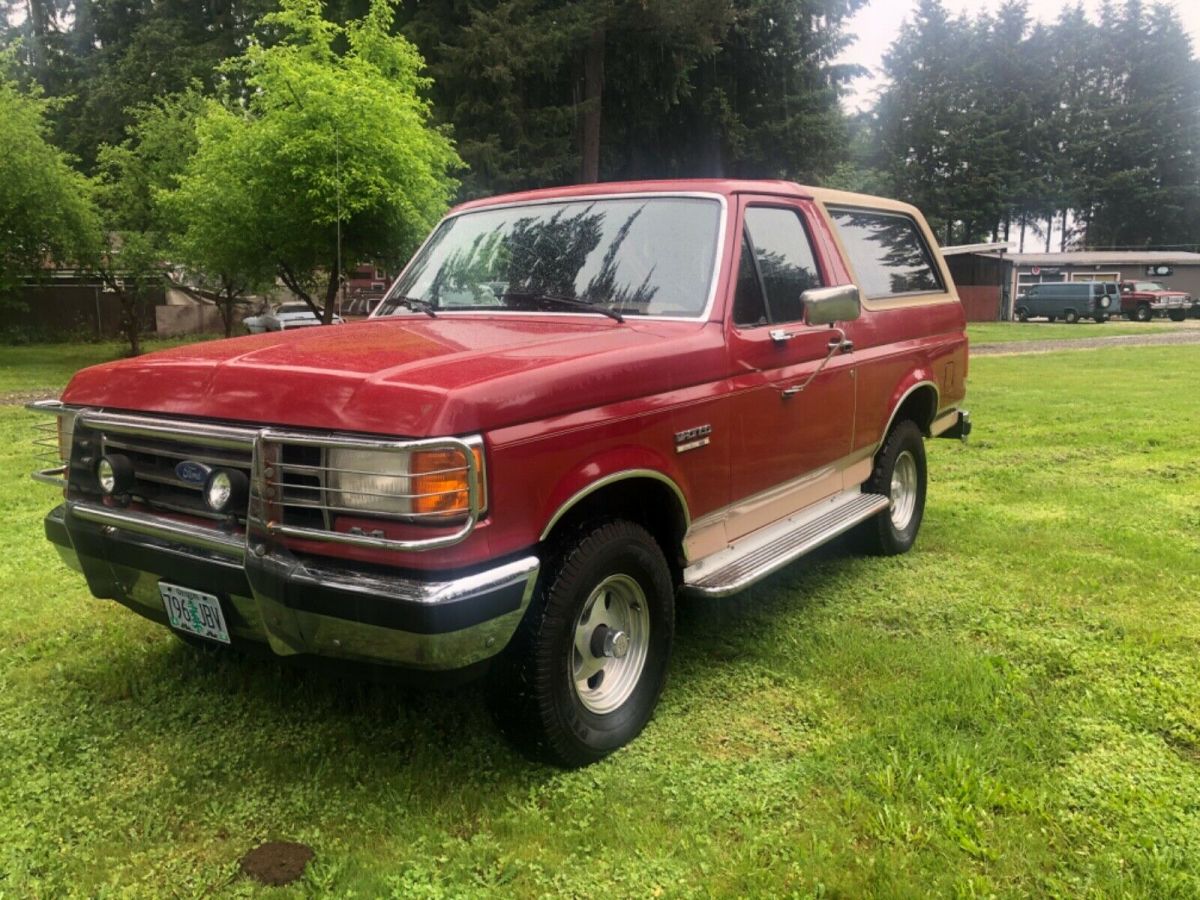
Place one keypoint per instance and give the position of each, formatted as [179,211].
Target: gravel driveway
[1187,334]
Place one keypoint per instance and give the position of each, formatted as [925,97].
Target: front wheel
[1142,313]
[1022,314]
[1071,317]
[900,475]
[584,672]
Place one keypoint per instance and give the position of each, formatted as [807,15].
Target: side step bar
[758,555]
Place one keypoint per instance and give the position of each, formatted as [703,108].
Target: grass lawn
[47,367]
[1011,709]
[1006,332]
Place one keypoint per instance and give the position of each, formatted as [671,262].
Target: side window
[888,253]
[749,309]
[785,260]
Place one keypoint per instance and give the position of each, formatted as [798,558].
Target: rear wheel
[1142,313]
[1070,317]
[900,475]
[584,672]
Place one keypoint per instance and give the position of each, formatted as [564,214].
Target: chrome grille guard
[270,495]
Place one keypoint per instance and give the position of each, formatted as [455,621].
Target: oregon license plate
[194,612]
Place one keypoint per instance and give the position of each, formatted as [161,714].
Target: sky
[878,23]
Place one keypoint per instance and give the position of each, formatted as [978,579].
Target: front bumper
[298,605]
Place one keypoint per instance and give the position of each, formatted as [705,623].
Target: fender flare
[914,382]
[594,475]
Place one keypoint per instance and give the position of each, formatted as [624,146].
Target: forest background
[997,126]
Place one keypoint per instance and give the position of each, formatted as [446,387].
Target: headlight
[418,483]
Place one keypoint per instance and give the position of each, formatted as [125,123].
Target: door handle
[781,335]
[845,345]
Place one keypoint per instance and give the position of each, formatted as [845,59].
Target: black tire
[536,701]
[1142,313]
[1051,318]
[882,534]
[1177,315]
[1070,317]
[1022,314]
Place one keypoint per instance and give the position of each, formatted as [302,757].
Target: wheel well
[646,501]
[920,406]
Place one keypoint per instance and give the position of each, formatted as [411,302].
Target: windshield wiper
[569,302]
[416,304]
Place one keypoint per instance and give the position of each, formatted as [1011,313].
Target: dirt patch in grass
[20,398]
[277,862]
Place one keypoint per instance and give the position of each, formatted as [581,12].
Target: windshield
[1149,286]
[637,256]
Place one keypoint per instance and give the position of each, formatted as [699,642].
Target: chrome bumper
[297,605]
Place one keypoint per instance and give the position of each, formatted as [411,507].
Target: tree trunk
[129,317]
[1049,230]
[331,290]
[593,92]
[290,282]
[1062,245]
[1021,244]
[226,308]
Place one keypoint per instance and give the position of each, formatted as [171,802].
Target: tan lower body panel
[716,531]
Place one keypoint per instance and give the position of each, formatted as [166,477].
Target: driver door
[792,425]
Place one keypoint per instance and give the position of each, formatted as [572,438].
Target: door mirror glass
[824,306]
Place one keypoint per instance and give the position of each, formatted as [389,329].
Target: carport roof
[1104,258]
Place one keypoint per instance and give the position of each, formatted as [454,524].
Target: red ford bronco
[1143,300]
[572,409]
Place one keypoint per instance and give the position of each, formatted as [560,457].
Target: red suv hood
[411,376]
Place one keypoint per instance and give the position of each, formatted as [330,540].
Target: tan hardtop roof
[726,186]
[826,196]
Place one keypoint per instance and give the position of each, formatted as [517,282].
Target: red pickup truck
[1143,300]
[574,407]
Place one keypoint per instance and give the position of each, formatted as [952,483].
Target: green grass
[38,367]
[1009,710]
[1006,332]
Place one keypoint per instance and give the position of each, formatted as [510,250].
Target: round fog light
[115,474]
[226,490]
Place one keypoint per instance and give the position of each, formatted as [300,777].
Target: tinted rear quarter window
[888,253]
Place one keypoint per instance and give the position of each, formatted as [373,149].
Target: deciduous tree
[46,212]
[328,158]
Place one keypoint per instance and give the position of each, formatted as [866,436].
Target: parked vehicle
[635,393]
[1069,301]
[288,315]
[1141,301]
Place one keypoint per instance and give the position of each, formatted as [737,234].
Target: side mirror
[824,306]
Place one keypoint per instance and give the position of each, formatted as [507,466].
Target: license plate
[194,612]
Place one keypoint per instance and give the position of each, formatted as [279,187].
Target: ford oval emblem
[192,472]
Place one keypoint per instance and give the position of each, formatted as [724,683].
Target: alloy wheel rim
[904,490]
[611,643]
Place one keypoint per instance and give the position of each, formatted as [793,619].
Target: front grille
[157,482]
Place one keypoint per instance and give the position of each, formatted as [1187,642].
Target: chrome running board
[769,549]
